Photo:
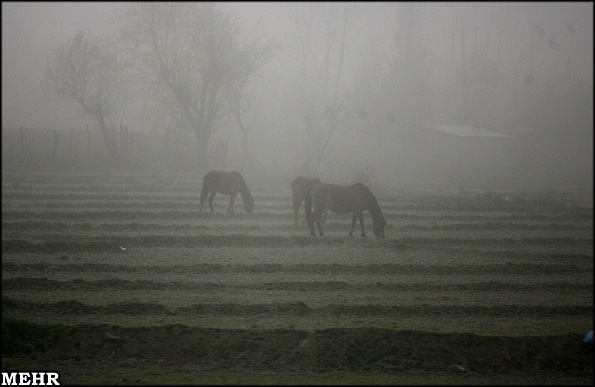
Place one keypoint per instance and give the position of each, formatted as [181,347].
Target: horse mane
[245,192]
[374,208]
[308,206]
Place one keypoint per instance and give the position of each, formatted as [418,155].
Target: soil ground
[111,279]
[180,355]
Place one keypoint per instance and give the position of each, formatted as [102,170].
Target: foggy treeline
[188,87]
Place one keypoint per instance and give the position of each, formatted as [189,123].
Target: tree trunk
[72,146]
[55,148]
[247,151]
[111,146]
[88,143]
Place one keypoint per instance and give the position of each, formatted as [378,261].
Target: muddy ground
[111,279]
[82,353]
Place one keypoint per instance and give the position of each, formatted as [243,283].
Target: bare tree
[86,71]
[250,58]
[191,52]
[319,78]
[408,86]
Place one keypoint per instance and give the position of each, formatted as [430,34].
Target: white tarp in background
[466,131]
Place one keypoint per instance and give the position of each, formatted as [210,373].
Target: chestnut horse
[226,183]
[341,199]
[299,186]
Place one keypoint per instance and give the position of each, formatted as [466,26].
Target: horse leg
[353,221]
[317,217]
[305,220]
[312,230]
[308,211]
[313,224]
[203,195]
[231,200]
[361,223]
[315,221]
[211,197]
[296,209]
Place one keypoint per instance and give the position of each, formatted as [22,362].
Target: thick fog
[406,95]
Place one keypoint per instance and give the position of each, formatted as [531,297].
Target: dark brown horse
[341,199]
[226,183]
[299,186]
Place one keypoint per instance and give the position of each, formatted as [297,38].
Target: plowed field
[112,279]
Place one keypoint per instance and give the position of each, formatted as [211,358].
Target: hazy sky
[31,30]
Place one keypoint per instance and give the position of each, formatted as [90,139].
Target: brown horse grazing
[226,183]
[355,198]
[299,186]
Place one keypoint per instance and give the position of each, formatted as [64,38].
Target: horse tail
[308,205]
